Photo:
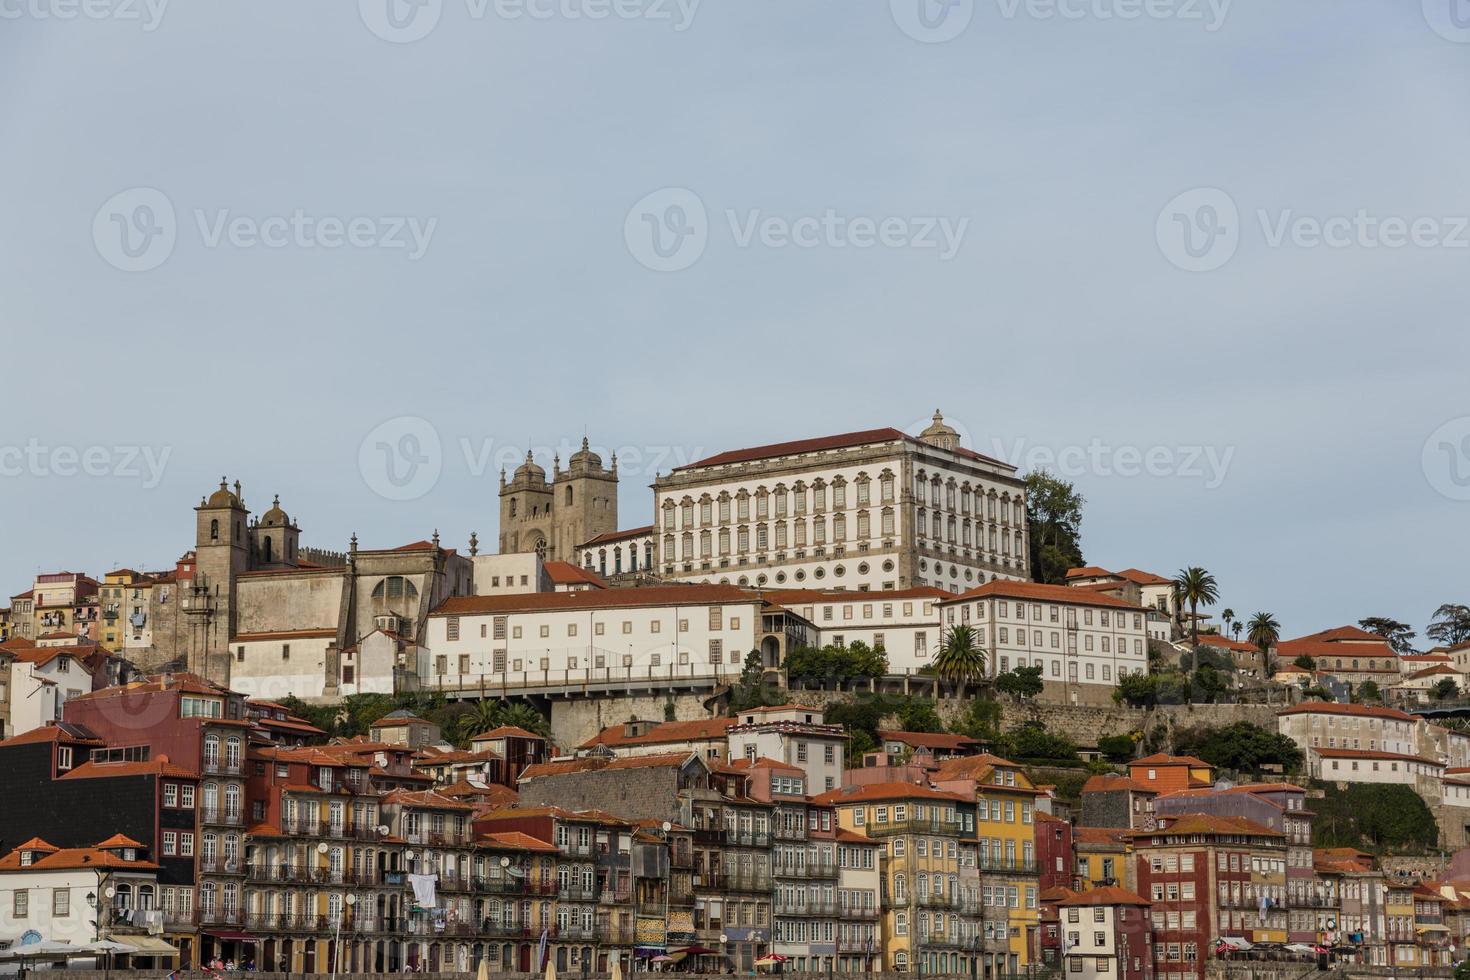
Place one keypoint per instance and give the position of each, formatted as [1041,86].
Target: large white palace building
[864,511]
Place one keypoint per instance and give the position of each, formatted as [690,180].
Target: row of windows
[716,620]
[780,499]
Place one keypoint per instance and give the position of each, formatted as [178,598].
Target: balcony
[615,896]
[753,882]
[914,825]
[577,893]
[994,862]
[218,817]
[213,865]
[814,869]
[503,885]
[748,838]
[805,907]
[859,913]
[931,901]
[220,917]
[221,767]
[298,874]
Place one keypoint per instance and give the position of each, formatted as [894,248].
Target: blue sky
[1067,150]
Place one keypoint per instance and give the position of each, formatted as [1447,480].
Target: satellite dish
[350,899]
[505,862]
[382,830]
[409,855]
[321,848]
[667,826]
[109,891]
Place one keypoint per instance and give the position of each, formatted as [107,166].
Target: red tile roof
[653,595]
[506,731]
[748,765]
[560,767]
[1115,784]
[1035,591]
[112,770]
[565,573]
[928,740]
[119,840]
[846,440]
[1205,823]
[701,730]
[886,791]
[48,733]
[1368,754]
[1333,708]
[611,536]
[71,859]
[792,597]
[1106,895]
[514,840]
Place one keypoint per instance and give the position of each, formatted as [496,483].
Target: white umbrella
[39,950]
[107,946]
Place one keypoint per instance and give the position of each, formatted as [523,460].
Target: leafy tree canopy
[1054,519]
[1376,816]
[1451,625]
[1305,662]
[1399,635]
[1241,746]
[1032,740]
[1118,748]
[919,715]
[1023,682]
[835,663]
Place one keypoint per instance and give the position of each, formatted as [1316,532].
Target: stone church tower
[222,549]
[551,519]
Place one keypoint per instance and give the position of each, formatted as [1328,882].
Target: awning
[152,946]
[1235,942]
[1432,927]
[232,937]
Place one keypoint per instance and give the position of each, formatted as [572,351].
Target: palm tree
[1264,632]
[1236,627]
[1228,615]
[960,661]
[1197,587]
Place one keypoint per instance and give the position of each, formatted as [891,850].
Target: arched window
[214,530]
[569,495]
[266,551]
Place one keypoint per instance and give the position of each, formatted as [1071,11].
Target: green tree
[1445,690]
[1196,587]
[919,715]
[1241,746]
[1023,682]
[322,716]
[1138,690]
[1032,740]
[1118,748]
[1054,519]
[1451,625]
[490,714]
[1368,691]
[1400,636]
[1304,662]
[1236,627]
[1208,685]
[1227,615]
[1376,816]
[981,721]
[1264,631]
[960,660]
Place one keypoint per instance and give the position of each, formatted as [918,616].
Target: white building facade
[1083,641]
[870,510]
[904,623]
